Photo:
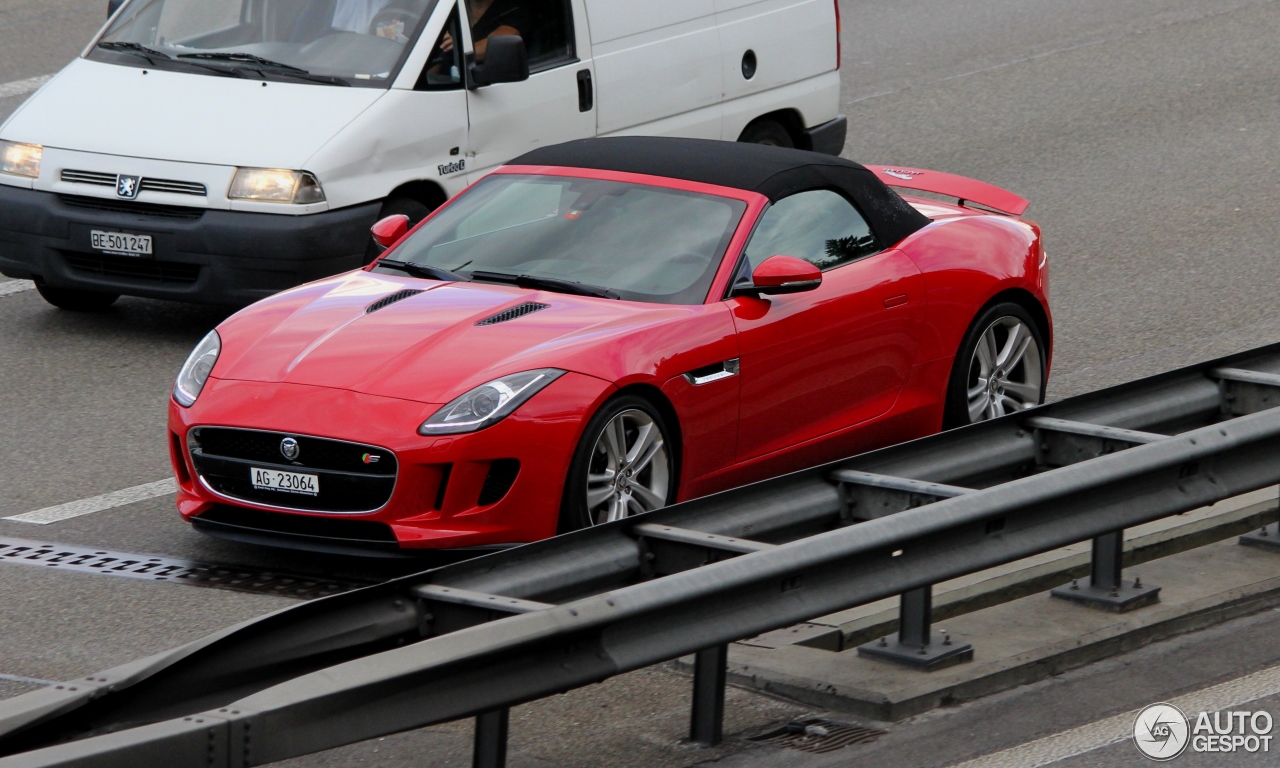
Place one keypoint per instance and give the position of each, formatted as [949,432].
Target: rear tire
[769,133]
[77,301]
[594,493]
[407,206]
[1000,377]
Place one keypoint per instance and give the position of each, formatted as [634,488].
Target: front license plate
[285,482]
[120,243]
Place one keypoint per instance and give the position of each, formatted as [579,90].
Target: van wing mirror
[779,275]
[388,231]
[113,6]
[506,60]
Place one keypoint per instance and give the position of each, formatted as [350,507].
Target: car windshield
[632,241]
[336,42]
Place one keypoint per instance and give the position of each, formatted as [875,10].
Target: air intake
[520,310]
[387,301]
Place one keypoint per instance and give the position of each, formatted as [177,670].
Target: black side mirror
[113,6]
[506,60]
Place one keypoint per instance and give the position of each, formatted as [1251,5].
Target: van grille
[126,206]
[99,179]
[133,268]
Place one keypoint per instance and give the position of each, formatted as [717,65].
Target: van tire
[769,133]
[76,301]
[416,210]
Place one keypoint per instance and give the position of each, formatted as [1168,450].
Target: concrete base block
[1127,598]
[929,658]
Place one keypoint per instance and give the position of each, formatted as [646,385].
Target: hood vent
[520,310]
[387,301]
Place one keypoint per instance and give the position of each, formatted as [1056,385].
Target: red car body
[878,338]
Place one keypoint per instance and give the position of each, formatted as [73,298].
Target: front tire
[999,369]
[624,465]
[769,133]
[76,301]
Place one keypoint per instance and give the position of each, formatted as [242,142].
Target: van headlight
[488,404]
[20,159]
[195,372]
[268,185]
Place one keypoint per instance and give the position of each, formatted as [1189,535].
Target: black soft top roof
[771,171]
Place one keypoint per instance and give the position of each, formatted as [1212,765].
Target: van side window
[821,227]
[443,71]
[545,25]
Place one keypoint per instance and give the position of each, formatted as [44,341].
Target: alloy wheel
[630,468]
[1006,373]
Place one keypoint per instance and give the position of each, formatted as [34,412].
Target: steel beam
[710,671]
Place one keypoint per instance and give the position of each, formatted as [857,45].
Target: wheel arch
[664,406]
[790,119]
[1027,300]
[428,193]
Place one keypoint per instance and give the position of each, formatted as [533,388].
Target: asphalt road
[1144,132]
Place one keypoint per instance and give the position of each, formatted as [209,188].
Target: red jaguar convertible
[603,328]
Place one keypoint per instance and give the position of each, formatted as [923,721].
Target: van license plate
[121,244]
[285,482]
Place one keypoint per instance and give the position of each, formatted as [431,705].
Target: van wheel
[407,206]
[769,133]
[77,301]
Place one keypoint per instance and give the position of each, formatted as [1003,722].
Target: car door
[557,102]
[814,364]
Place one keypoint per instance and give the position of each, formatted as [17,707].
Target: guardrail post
[710,668]
[1107,590]
[914,646]
[1267,537]
[491,739]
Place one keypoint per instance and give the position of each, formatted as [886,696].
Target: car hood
[427,347]
[112,109]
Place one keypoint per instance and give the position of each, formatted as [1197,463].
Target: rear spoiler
[965,190]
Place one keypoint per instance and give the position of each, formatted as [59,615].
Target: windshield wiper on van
[261,65]
[545,283]
[137,49]
[422,270]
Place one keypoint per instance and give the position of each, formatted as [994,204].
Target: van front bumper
[200,255]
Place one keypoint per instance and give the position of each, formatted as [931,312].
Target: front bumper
[829,137]
[486,490]
[201,255]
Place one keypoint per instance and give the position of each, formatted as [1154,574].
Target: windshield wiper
[546,284]
[137,49]
[422,270]
[261,65]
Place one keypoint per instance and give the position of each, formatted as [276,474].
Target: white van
[219,151]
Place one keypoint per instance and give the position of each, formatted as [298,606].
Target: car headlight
[488,404]
[20,159]
[195,372]
[268,185]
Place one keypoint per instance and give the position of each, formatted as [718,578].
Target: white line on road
[31,680]
[97,503]
[1087,738]
[20,87]
[10,287]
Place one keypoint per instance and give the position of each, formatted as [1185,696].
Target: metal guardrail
[475,638]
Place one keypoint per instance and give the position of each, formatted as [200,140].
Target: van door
[659,66]
[557,102]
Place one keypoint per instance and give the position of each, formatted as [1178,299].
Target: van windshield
[359,43]
[589,236]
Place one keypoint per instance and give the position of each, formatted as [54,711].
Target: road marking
[97,503]
[10,287]
[29,680]
[1093,736]
[20,87]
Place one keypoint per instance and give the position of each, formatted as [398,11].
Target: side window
[444,67]
[545,25]
[821,227]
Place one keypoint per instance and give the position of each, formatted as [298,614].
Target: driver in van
[489,18]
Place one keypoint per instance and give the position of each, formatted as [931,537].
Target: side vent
[502,475]
[387,301]
[520,310]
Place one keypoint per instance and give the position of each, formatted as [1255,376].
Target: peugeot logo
[127,186]
[289,448]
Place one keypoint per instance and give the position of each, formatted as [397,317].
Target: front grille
[135,208]
[352,478]
[99,179]
[150,270]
